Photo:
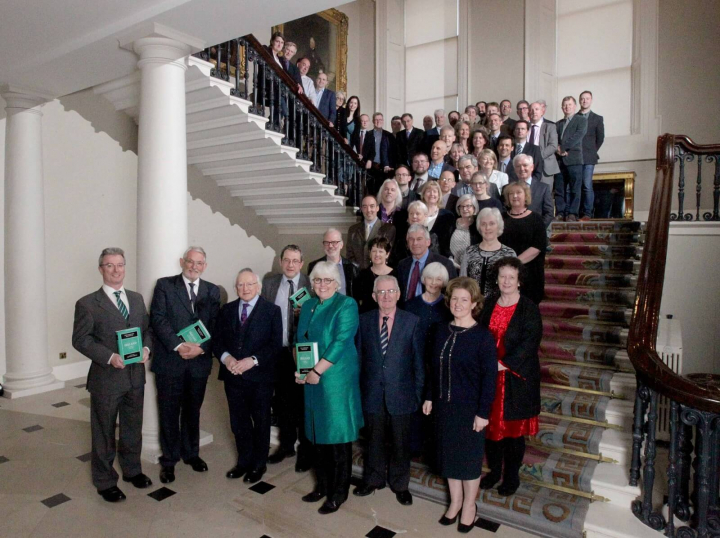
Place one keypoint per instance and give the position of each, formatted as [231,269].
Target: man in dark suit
[524,147]
[433,135]
[325,99]
[390,348]
[409,270]
[568,182]
[288,402]
[592,141]
[409,141]
[357,139]
[543,134]
[403,177]
[248,341]
[505,110]
[379,153]
[333,245]
[541,203]
[182,368]
[289,50]
[360,234]
[115,387]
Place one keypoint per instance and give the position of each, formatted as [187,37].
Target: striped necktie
[121,306]
[384,335]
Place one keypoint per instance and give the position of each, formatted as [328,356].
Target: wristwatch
[255,361]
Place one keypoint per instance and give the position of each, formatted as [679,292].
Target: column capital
[157,41]
[17,97]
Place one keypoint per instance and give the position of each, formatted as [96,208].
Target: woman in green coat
[333,412]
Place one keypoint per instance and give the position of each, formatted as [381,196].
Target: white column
[26,339]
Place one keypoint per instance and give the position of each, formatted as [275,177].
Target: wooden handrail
[644,325]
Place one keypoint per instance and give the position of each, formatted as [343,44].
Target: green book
[299,297]
[306,357]
[195,333]
[130,345]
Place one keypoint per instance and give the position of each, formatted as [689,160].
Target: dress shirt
[308,88]
[444,200]
[419,181]
[251,304]
[390,321]
[461,189]
[343,285]
[378,142]
[535,140]
[435,169]
[281,299]
[506,162]
[187,287]
[421,262]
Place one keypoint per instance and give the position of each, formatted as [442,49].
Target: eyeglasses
[331,243]
[291,262]
[401,174]
[194,264]
[479,183]
[112,266]
[467,206]
[383,293]
[246,284]
[446,179]
[326,281]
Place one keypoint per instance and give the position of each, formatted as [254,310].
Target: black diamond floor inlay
[3,459]
[380,532]
[85,457]
[489,526]
[80,386]
[31,429]
[161,494]
[262,487]
[60,404]
[55,500]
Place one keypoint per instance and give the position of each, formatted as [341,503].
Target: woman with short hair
[430,305]
[487,164]
[460,239]
[479,184]
[379,248]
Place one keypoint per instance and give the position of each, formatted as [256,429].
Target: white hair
[435,270]
[465,198]
[385,278]
[493,212]
[398,196]
[419,228]
[324,270]
[522,157]
[199,250]
[253,273]
[439,112]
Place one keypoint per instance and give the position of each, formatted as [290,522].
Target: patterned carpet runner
[590,288]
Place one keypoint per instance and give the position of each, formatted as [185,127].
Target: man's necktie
[414,279]
[193,297]
[384,335]
[368,228]
[243,314]
[121,306]
[533,131]
[290,315]
[362,141]
[502,168]
[518,149]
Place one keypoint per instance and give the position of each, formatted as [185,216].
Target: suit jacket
[408,147]
[292,70]
[388,150]
[548,146]
[593,139]
[404,266]
[349,268]
[542,202]
[412,196]
[271,284]
[357,247]
[96,320]
[170,312]
[431,136]
[327,106]
[509,125]
[534,152]
[571,139]
[260,336]
[394,381]
[451,204]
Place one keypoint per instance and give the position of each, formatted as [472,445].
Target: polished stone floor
[45,487]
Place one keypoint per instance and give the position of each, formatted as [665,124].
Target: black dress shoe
[365,489]
[302,466]
[198,464]
[467,528]
[279,455]
[313,497]
[112,495]
[490,480]
[140,481]
[236,472]
[404,497]
[254,476]
[167,474]
[329,507]
[447,521]
[508,488]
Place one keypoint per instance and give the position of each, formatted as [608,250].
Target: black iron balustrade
[274,94]
[685,159]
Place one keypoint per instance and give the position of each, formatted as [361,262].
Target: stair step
[315,200]
[611,481]
[581,376]
[592,237]
[593,263]
[590,250]
[557,309]
[620,413]
[617,445]
[593,279]
[586,294]
[581,331]
[598,226]
[608,520]
[577,351]
[282,192]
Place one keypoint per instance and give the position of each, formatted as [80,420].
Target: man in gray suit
[360,234]
[114,386]
[544,135]
[288,403]
[568,182]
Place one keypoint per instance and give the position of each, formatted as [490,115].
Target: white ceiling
[62,46]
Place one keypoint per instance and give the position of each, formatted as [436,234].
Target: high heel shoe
[448,521]
[467,528]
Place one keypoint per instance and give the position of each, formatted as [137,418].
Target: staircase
[233,147]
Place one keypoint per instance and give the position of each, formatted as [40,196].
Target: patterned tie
[414,279]
[290,315]
[384,335]
[193,297]
[243,314]
[518,149]
[121,306]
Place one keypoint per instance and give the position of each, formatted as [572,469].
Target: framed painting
[322,38]
[614,195]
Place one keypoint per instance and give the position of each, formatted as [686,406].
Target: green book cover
[196,333]
[130,346]
[299,297]
[306,357]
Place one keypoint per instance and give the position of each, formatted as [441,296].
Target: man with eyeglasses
[403,177]
[447,184]
[248,342]
[288,403]
[182,368]
[360,234]
[390,347]
[114,387]
[333,245]
[420,167]
[467,166]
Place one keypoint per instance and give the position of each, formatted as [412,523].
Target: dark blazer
[593,139]
[260,335]
[443,228]
[96,320]
[327,106]
[292,70]
[349,268]
[509,125]
[396,380]
[522,343]
[404,266]
[355,138]
[548,146]
[534,152]
[388,149]
[571,139]
[431,136]
[542,202]
[451,203]
[342,122]
[410,198]
[408,147]
[170,312]
[357,247]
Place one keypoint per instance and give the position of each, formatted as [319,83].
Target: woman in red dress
[515,322]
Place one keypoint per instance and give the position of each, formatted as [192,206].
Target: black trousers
[505,456]
[388,453]
[179,401]
[104,409]
[289,405]
[333,469]
[249,405]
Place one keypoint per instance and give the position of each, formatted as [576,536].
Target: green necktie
[121,306]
